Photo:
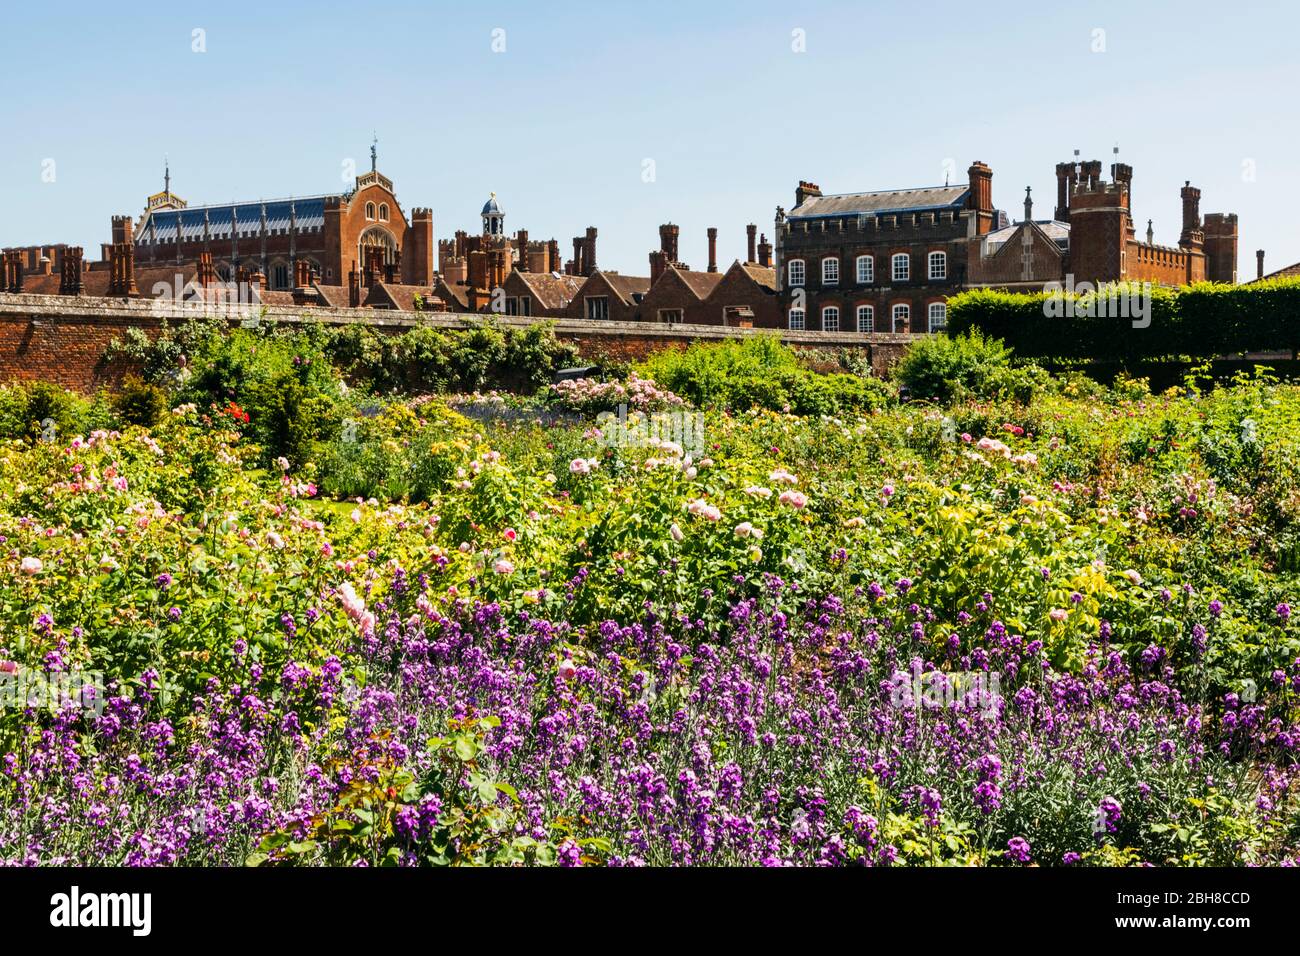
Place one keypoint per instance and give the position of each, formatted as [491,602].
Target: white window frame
[370,212]
[672,316]
[903,260]
[831,313]
[869,313]
[901,311]
[796,277]
[797,324]
[939,260]
[831,270]
[939,311]
[866,270]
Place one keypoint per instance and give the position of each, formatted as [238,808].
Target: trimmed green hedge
[1201,320]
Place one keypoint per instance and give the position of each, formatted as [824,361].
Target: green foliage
[138,402]
[944,368]
[1204,320]
[41,410]
[760,372]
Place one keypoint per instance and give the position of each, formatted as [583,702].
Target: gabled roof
[395,295]
[1287,273]
[701,283]
[628,288]
[458,293]
[334,296]
[552,291]
[882,202]
[763,275]
[1057,232]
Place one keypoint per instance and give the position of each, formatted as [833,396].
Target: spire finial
[167,175]
[374,152]
[1029,204]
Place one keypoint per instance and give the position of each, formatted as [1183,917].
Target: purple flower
[1018,850]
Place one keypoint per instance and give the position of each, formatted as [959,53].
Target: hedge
[1201,321]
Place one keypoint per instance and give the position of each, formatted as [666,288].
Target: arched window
[370,210]
[938,265]
[797,319]
[902,316]
[866,270]
[795,271]
[902,267]
[866,318]
[830,271]
[831,319]
[377,237]
[938,317]
[383,212]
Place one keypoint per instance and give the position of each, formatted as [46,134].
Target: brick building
[888,261]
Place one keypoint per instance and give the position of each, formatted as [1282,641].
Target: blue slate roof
[309,212]
[883,202]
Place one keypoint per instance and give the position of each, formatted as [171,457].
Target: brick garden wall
[62,339]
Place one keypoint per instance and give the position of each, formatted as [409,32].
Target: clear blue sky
[559,124]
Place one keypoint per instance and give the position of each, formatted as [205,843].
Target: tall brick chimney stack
[980,200]
[589,251]
[122,231]
[70,281]
[301,273]
[354,287]
[1191,211]
[751,233]
[554,247]
[668,234]
[521,243]
[208,274]
[577,256]
[13,272]
[1066,176]
[1259,264]
[121,280]
[713,248]
[765,252]
[658,265]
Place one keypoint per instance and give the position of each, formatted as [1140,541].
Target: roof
[882,202]
[1058,232]
[492,207]
[1289,272]
[552,291]
[334,296]
[458,293]
[763,275]
[701,283]
[96,281]
[629,288]
[397,295]
[309,213]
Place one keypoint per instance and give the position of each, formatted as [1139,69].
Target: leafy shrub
[943,368]
[759,372]
[139,402]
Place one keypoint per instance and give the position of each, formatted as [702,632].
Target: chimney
[1259,264]
[354,286]
[122,270]
[208,274]
[765,252]
[1066,176]
[751,232]
[713,248]
[980,199]
[122,229]
[13,272]
[658,265]
[521,243]
[1191,211]
[70,282]
[301,273]
[589,251]
[577,256]
[806,191]
[553,248]
[256,283]
[668,234]
[1122,173]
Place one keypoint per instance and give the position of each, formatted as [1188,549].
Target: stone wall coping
[33,307]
